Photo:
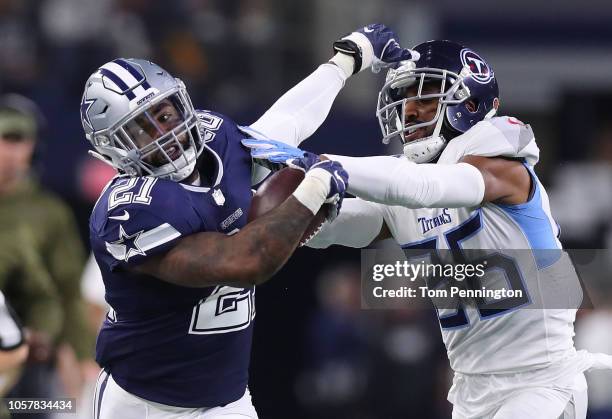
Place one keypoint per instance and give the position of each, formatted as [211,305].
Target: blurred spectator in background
[20,52]
[370,364]
[26,281]
[593,326]
[591,334]
[582,195]
[92,289]
[409,354]
[335,380]
[38,222]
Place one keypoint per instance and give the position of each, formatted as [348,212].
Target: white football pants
[546,402]
[112,402]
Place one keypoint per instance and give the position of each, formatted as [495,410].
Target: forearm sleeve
[298,113]
[396,181]
[357,225]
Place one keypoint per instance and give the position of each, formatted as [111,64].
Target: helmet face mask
[393,98]
[461,82]
[149,129]
[159,139]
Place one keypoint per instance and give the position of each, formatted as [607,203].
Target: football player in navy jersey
[169,232]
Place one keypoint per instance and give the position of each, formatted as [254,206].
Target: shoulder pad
[141,216]
[498,136]
[212,124]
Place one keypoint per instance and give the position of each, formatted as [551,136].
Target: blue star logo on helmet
[481,72]
[85,107]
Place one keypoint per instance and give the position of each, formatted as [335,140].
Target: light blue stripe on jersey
[535,224]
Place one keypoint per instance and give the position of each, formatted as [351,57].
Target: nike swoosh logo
[337,175]
[124,217]
[368,30]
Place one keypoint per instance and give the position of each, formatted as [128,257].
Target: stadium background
[316,354]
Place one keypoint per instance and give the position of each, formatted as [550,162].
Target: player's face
[151,125]
[420,110]
[15,158]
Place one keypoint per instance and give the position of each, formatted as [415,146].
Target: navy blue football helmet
[468,94]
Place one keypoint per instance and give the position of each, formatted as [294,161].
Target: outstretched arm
[388,180]
[300,111]
[474,180]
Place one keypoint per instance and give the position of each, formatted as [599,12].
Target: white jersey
[493,341]
[11,335]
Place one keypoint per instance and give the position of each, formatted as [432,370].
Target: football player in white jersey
[467,181]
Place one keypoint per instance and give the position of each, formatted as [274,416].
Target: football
[273,192]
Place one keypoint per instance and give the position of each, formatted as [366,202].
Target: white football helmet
[140,120]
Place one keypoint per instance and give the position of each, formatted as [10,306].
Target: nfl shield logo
[218,197]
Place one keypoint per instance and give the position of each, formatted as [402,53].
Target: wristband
[313,190]
[345,62]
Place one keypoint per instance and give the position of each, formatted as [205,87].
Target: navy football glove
[304,163]
[374,46]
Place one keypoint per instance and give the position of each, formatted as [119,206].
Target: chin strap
[427,149]
[100,157]
[183,172]
[424,150]
[491,113]
[130,171]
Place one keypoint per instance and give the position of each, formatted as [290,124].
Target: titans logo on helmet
[480,69]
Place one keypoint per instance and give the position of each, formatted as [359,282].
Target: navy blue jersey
[179,346]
